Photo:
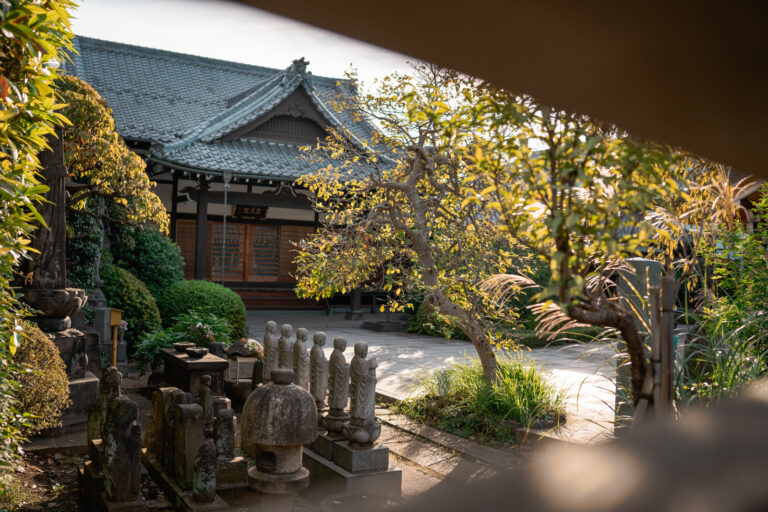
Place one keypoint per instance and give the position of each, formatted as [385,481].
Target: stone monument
[205,396]
[121,437]
[204,481]
[301,359]
[285,347]
[43,287]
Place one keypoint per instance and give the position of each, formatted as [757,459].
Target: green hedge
[43,387]
[149,255]
[205,297]
[125,291]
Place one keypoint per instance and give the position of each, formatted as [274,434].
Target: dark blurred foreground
[712,459]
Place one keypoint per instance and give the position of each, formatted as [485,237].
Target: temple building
[222,141]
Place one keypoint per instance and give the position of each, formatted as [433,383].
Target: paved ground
[586,374]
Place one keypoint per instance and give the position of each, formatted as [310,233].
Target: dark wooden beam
[201,237]
[284,200]
[174,204]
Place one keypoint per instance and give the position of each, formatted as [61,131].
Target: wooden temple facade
[222,141]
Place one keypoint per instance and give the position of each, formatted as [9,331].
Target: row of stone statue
[335,378]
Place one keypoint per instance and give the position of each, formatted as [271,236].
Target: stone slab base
[327,478]
[231,473]
[323,445]
[84,394]
[179,498]
[355,460]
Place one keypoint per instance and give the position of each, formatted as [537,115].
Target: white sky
[231,31]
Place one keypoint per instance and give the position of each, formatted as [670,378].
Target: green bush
[149,255]
[195,327]
[43,389]
[204,297]
[83,249]
[458,400]
[125,291]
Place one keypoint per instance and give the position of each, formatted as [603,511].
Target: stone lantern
[278,419]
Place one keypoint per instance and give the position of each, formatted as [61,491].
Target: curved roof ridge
[261,99]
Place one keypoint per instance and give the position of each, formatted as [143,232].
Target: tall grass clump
[458,400]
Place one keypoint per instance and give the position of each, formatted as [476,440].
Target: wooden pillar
[201,237]
[174,204]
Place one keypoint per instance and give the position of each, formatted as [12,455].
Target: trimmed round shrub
[204,297]
[125,291]
[43,390]
[149,255]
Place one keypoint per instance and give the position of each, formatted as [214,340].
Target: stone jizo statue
[285,347]
[318,371]
[301,359]
[362,429]
[363,383]
[206,402]
[338,388]
[270,350]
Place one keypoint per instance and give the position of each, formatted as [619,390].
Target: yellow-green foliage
[33,35]
[43,389]
[98,157]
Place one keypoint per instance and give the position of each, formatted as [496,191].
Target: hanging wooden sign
[248,212]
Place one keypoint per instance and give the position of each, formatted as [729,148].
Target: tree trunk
[624,322]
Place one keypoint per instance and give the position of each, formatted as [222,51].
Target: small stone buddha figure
[362,429]
[285,347]
[318,371]
[338,388]
[301,359]
[270,350]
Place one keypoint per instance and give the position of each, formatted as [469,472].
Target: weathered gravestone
[204,480]
[632,286]
[121,444]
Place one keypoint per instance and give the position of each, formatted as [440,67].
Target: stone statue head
[361,349]
[286,330]
[319,339]
[302,334]
[205,380]
[271,327]
[110,383]
[340,344]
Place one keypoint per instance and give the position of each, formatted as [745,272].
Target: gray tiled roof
[182,104]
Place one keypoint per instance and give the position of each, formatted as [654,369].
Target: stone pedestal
[354,460]
[185,372]
[330,478]
[324,444]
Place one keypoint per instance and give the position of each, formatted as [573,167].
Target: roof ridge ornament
[299,66]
